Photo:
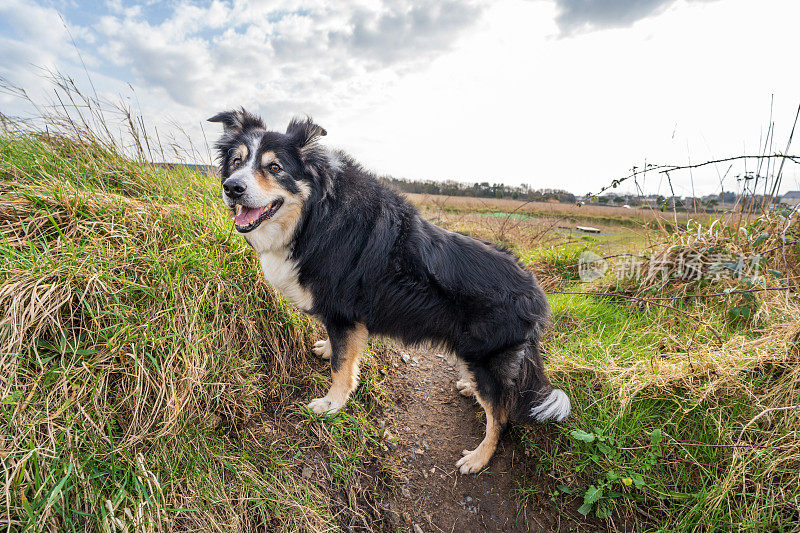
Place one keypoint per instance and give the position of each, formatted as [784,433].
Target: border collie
[355,254]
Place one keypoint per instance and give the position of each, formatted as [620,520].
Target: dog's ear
[304,133]
[237,121]
[316,159]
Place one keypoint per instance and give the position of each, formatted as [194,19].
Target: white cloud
[40,42]
[33,24]
[275,54]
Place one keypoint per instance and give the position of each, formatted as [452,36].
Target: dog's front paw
[325,405]
[465,388]
[473,461]
[322,349]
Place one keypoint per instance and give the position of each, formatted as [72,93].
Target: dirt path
[433,424]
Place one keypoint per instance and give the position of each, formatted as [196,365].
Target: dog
[356,255]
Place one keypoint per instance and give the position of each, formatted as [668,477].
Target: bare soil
[432,423]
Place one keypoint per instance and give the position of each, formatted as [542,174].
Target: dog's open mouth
[249,218]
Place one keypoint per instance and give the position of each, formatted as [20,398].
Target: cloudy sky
[554,93]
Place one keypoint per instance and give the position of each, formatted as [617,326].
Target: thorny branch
[666,169]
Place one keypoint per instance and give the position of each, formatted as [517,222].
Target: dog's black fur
[367,256]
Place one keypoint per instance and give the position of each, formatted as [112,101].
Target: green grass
[148,375]
[630,447]
[511,216]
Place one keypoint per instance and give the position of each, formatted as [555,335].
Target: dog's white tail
[556,406]
[534,398]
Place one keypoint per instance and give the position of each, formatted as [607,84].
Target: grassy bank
[149,379]
[686,391]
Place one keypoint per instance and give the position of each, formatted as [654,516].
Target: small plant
[620,474]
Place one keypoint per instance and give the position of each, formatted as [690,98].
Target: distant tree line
[479,190]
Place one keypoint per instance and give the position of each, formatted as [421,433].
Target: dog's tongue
[248,215]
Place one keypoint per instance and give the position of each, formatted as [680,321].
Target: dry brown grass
[142,352]
[726,254]
[610,214]
[695,271]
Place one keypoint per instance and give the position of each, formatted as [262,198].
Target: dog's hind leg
[488,391]
[346,345]
[464,384]
[465,387]
[322,349]
[496,418]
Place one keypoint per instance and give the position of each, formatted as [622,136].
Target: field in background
[537,229]
[597,213]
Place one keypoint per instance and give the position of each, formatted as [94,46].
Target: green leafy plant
[621,471]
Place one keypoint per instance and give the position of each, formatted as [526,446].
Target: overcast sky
[563,94]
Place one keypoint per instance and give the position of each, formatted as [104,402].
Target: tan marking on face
[293,210]
[290,216]
[242,151]
[263,177]
[269,157]
[279,230]
[267,183]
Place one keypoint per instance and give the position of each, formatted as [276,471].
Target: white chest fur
[281,273]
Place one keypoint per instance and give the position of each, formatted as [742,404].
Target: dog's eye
[237,162]
[273,167]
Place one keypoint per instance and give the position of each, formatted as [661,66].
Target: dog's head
[267,176]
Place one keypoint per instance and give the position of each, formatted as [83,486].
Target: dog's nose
[234,188]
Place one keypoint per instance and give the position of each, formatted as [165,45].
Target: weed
[620,474]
